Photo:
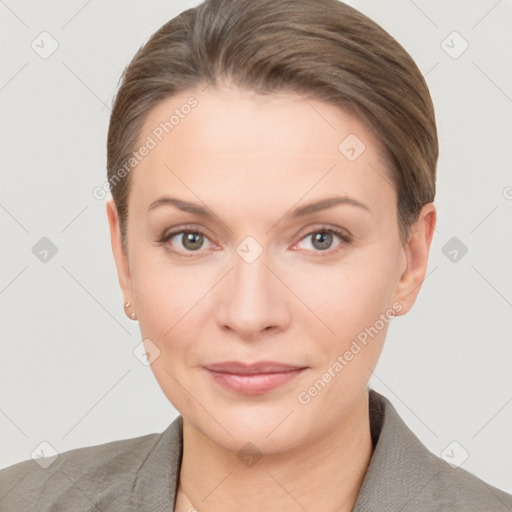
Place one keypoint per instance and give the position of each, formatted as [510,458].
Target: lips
[255,378]
[238,368]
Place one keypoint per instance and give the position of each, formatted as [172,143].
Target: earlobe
[118,251]
[416,258]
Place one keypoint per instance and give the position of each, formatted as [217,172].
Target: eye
[322,239]
[185,241]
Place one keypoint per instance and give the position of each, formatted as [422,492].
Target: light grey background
[68,373]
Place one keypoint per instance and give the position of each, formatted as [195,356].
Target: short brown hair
[322,49]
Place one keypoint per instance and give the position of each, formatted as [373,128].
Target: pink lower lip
[256,383]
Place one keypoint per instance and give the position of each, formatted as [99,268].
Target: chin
[270,427]
[249,436]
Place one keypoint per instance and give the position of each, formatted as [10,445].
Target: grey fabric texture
[141,474]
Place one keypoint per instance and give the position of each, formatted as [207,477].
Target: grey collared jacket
[141,475]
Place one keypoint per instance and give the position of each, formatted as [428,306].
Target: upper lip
[239,368]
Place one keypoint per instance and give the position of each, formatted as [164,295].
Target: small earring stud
[133,316]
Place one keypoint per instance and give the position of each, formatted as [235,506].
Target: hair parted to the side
[321,49]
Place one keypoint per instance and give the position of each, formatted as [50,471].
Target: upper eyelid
[170,233]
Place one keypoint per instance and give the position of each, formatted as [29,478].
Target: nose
[254,302]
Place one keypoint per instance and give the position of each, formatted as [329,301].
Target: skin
[252,160]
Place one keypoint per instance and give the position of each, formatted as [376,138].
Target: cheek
[167,297]
[354,300]
[168,300]
[350,296]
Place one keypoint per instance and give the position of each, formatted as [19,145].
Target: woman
[272,166]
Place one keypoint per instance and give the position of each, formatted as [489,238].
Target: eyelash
[345,237]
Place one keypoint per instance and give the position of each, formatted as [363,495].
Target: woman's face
[260,277]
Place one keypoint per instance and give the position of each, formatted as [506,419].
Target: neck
[324,474]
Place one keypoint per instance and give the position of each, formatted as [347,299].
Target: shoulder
[457,489]
[79,479]
[404,475]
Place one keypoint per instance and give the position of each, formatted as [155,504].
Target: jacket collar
[401,469]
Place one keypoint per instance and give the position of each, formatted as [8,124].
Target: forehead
[231,142]
[229,120]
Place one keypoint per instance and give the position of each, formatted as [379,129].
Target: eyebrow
[323,204]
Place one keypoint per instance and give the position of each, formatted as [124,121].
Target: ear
[120,256]
[416,258]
